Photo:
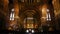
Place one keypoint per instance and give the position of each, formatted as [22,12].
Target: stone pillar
[5,5]
[5,9]
[16,7]
[53,21]
[56,8]
[16,11]
[39,17]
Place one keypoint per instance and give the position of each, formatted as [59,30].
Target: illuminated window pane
[12,10]
[47,10]
[12,16]
[48,17]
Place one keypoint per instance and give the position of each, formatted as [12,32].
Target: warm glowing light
[16,17]
[44,17]
[43,9]
[29,18]
[29,21]
[30,26]
[9,28]
[27,31]
[44,12]
[32,31]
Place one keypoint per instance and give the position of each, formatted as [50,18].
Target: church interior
[30,15]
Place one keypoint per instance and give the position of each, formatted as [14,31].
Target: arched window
[12,15]
[48,15]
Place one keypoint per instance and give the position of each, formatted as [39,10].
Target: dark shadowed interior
[29,16]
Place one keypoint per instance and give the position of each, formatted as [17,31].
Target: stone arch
[36,13]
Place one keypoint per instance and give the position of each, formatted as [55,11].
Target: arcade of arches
[34,14]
